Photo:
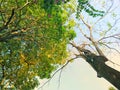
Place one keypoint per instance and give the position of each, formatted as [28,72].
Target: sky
[79,75]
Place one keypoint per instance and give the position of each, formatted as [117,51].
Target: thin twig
[68,61]
[59,78]
[112,26]
[118,34]
[115,7]
[89,28]
[27,3]
[9,20]
[83,32]
[109,30]
[105,13]
[111,47]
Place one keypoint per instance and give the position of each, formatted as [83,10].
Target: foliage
[84,5]
[111,88]
[32,42]
[49,4]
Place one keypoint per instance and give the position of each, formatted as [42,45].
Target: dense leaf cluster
[49,4]
[32,42]
[84,5]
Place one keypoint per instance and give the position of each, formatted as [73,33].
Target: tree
[98,36]
[33,41]
[107,36]
[34,35]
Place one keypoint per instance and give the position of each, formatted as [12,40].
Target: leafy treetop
[85,5]
[32,42]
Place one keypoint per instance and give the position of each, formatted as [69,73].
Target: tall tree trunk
[103,70]
[98,64]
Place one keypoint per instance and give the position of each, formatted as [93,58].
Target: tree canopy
[34,35]
[33,41]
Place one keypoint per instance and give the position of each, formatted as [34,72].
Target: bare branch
[59,78]
[105,13]
[115,7]
[112,26]
[118,34]
[83,32]
[89,27]
[114,36]
[91,37]
[111,47]
[68,61]
[83,56]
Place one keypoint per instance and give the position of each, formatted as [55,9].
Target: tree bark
[103,70]
[98,64]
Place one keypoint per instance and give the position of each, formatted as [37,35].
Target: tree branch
[59,78]
[105,13]
[9,20]
[118,34]
[68,61]
[110,47]
[27,3]
[98,64]
[91,37]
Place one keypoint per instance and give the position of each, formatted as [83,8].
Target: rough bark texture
[98,63]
